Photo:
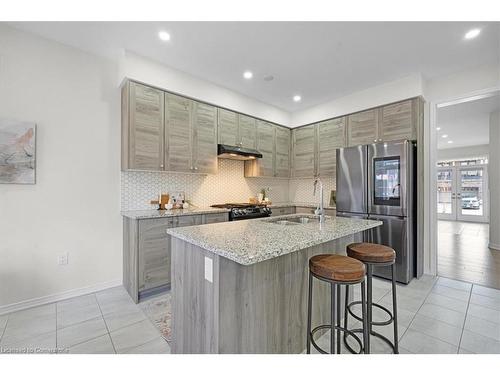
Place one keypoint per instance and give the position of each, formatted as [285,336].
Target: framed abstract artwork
[17,152]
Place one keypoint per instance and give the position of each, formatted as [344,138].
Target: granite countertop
[252,241]
[151,214]
[291,204]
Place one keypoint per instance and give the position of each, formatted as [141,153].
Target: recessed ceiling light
[163,35]
[268,78]
[471,34]
[438,128]
[297,98]
[450,141]
[444,136]
[248,74]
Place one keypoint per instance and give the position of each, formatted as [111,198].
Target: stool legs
[309,313]
[366,332]
[333,313]
[394,309]
[369,313]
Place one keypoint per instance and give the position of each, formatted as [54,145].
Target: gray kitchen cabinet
[278,211]
[399,120]
[147,252]
[204,138]
[142,127]
[331,136]
[363,127]
[215,218]
[154,253]
[282,152]
[227,127]
[304,151]
[263,167]
[247,131]
[178,155]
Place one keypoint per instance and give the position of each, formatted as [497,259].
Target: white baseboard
[58,297]
[494,246]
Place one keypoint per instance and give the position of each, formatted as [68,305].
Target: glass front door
[462,193]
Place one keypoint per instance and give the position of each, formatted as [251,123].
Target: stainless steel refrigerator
[378,181]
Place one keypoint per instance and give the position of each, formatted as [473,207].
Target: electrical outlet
[62,259]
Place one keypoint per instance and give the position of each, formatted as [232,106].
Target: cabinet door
[282,167]
[146,127]
[363,127]
[215,218]
[331,137]
[265,145]
[304,150]
[154,253]
[204,138]
[186,221]
[227,127]
[397,121]
[178,134]
[247,131]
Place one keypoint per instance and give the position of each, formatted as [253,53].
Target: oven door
[387,178]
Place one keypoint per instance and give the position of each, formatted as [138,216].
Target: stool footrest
[347,332]
[384,323]
[372,333]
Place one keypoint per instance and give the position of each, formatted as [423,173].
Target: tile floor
[106,322]
[436,315]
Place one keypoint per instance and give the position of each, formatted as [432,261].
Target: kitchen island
[241,286]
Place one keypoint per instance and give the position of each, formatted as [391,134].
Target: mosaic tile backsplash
[228,185]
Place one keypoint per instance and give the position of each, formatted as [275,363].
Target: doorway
[462,191]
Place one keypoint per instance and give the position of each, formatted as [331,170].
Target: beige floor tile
[156,346]
[81,332]
[437,329]
[134,335]
[99,345]
[420,343]
[477,343]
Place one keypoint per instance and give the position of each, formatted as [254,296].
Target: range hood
[237,153]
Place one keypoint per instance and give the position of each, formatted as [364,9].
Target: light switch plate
[209,270]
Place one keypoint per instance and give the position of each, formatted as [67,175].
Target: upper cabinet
[399,120]
[247,132]
[227,127]
[236,129]
[331,136]
[363,127]
[204,128]
[178,138]
[142,127]
[282,152]
[392,122]
[263,167]
[167,132]
[304,151]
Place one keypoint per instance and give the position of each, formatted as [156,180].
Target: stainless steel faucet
[320,211]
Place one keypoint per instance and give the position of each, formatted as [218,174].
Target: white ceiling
[466,124]
[320,61]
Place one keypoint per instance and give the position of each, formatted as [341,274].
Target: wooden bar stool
[373,255]
[337,270]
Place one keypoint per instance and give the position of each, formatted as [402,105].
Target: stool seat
[371,252]
[337,267]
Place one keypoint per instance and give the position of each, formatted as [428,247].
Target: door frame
[430,171]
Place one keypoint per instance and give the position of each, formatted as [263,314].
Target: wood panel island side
[241,286]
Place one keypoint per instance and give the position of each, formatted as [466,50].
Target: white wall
[463,152]
[494,180]
[144,70]
[74,205]
[394,91]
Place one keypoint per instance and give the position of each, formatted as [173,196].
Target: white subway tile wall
[228,185]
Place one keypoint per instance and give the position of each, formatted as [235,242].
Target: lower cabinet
[147,252]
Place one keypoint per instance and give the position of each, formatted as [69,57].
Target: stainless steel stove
[244,211]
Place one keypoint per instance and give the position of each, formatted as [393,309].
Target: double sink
[295,220]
